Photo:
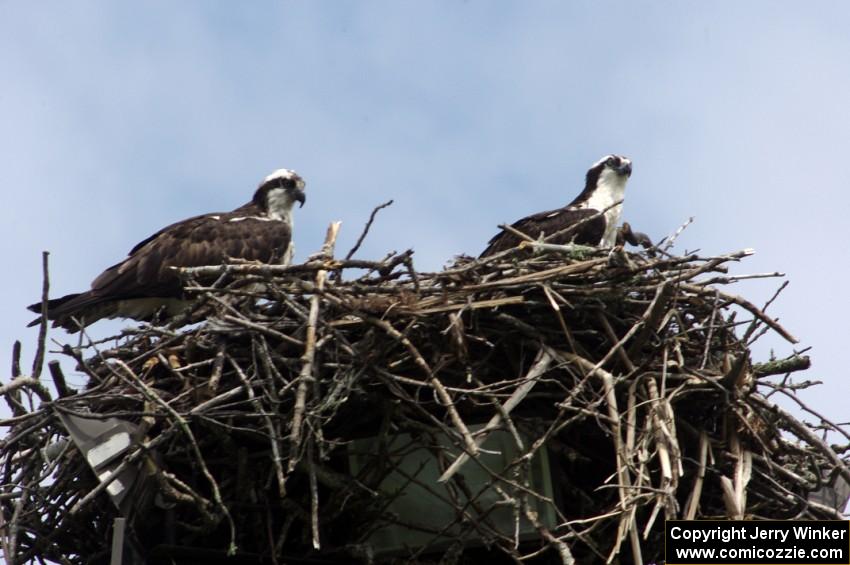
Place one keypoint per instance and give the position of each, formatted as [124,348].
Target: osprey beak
[300,196]
[625,169]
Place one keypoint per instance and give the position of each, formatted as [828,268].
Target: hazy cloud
[120,118]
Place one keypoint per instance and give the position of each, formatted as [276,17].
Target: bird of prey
[604,186]
[145,283]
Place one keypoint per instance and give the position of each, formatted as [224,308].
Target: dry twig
[625,384]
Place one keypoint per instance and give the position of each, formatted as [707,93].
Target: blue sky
[118,118]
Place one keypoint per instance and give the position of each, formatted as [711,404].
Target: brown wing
[547,223]
[203,240]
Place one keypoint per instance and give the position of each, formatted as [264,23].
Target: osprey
[145,283]
[604,185]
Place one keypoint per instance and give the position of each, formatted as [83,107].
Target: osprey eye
[611,162]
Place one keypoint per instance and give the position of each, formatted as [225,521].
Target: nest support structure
[268,430]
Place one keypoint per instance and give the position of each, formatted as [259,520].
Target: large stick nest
[629,373]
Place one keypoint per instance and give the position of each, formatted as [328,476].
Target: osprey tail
[85,307]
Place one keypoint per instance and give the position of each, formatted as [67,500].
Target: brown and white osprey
[145,283]
[605,184]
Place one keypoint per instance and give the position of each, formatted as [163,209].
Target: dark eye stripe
[280,182]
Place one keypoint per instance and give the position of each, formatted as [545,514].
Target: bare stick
[28,383]
[131,378]
[670,240]
[314,497]
[576,226]
[805,433]
[305,377]
[38,362]
[439,388]
[273,439]
[746,304]
[512,230]
[59,379]
[540,366]
[366,229]
[781,366]
[696,491]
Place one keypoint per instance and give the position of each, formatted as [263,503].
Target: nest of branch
[618,389]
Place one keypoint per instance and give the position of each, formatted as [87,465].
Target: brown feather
[210,239]
[547,223]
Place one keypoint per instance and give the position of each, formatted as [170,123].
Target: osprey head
[604,187]
[279,191]
[609,169]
